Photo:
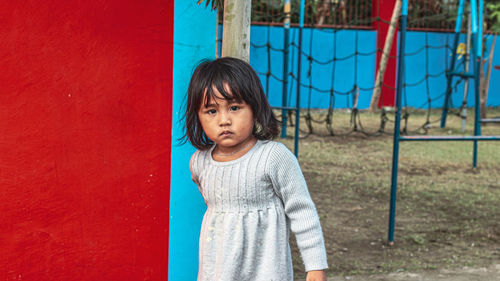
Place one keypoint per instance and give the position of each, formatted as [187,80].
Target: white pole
[236,34]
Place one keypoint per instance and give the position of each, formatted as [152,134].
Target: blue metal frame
[450,138]
[397,124]
[477,49]
[299,65]
[285,108]
[478,43]
[451,73]
[286,49]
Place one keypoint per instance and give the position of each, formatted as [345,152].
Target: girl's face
[228,123]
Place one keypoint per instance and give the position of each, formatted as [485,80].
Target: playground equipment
[284,108]
[338,67]
[476,15]
[325,62]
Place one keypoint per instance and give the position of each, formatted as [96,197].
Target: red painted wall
[384,9]
[85,136]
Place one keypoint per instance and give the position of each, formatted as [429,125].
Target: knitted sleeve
[290,185]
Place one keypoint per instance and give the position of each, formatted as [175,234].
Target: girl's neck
[234,153]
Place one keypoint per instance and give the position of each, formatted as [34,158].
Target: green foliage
[267,11]
[215,4]
[317,12]
[494,16]
[435,14]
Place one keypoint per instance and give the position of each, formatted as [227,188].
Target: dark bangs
[224,88]
[235,80]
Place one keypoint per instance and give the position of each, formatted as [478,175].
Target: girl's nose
[224,119]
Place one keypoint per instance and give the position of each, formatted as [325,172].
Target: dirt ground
[447,218]
[491,273]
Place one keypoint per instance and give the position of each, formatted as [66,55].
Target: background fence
[341,49]
[424,15]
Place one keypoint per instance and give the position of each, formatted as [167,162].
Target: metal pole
[477,31]
[449,76]
[466,82]
[299,60]
[397,125]
[286,49]
[475,57]
[449,138]
[480,28]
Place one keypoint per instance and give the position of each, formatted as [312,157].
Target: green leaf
[216,4]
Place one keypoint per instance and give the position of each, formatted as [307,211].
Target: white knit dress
[252,203]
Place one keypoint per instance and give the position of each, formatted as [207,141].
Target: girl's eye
[234,108]
[211,111]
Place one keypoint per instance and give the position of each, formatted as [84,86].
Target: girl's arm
[290,186]
[193,167]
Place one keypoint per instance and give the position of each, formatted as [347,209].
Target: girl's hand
[316,275]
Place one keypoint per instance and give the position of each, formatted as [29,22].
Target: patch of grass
[447,212]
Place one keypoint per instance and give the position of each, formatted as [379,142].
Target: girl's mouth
[226,133]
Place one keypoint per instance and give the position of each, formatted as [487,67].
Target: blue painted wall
[350,70]
[435,62]
[194,38]
[323,46]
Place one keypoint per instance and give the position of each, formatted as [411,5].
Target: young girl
[253,187]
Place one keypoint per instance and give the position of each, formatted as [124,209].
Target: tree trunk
[485,86]
[323,9]
[385,57]
[236,34]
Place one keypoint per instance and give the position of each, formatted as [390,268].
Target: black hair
[236,80]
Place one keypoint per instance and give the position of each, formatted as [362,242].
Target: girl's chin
[227,144]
